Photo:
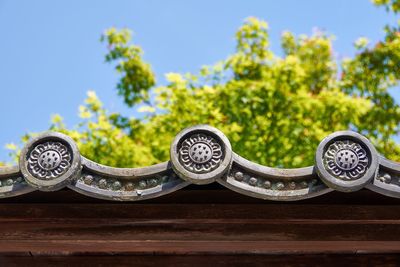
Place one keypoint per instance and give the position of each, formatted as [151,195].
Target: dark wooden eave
[199,226]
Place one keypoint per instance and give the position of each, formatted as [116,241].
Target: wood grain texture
[196,227]
[327,260]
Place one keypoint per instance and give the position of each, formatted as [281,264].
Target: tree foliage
[274,109]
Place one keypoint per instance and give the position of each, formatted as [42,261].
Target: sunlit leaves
[390,5]
[361,43]
[137,78]
[275,110]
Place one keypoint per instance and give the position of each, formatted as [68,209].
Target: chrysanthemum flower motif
[49,160]
[200,153]
[346,160]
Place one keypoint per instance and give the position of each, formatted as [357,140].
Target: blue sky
[51,55]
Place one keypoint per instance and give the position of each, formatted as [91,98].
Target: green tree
[275,110]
